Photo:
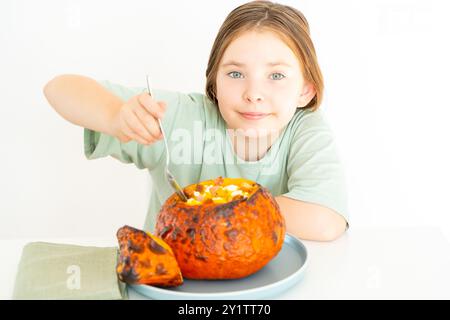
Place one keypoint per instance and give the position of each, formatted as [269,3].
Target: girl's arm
[83,102]
[86,103]
[310,221]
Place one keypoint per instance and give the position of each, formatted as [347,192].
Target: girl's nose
[253,96]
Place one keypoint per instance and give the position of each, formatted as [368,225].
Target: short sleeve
[315,172]
[181,109]
[99,145]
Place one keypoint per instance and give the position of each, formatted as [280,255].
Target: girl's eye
[235,74]
[277,76]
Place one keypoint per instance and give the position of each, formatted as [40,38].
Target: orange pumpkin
[146,259]
[229,228]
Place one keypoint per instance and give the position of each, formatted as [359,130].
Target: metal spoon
[169,176]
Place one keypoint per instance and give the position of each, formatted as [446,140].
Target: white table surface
[395,263]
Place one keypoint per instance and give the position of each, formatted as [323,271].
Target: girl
[258,120]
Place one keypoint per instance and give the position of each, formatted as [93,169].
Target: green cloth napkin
[64,271]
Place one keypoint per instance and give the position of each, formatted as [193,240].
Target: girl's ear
[307,94]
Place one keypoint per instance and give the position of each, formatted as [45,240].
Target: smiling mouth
[253,115]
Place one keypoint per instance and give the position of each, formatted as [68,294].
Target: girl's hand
[137,119]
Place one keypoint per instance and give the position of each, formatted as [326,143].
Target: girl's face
[260,84]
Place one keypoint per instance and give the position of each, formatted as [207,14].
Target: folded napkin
[63,271]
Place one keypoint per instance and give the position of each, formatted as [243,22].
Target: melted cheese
[217,194]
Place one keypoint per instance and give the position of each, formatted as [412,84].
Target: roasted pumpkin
[229,228]
[146,259]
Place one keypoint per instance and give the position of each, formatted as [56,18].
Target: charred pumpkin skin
[146,259]
[222,241]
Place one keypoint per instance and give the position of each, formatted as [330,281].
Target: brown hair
[287,22]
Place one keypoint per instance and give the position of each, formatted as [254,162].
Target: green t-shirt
[302,163]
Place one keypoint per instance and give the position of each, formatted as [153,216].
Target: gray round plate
[282,272]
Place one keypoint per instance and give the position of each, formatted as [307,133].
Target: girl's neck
[251,148]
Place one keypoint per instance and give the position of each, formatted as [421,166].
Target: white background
[386,70]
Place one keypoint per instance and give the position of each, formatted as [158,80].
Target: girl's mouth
[253,115]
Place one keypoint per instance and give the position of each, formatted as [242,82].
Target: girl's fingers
[137,128]
[148,132]
[135,137]
[150,123]
[156,109]
[163,106]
